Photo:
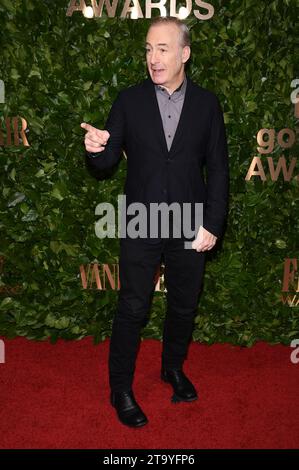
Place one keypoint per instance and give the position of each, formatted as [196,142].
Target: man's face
[165,56]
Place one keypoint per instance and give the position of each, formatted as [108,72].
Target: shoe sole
[138,425]
[177,399]
[133,425]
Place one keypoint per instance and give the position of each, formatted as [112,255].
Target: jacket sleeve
[217,181]
[115,125]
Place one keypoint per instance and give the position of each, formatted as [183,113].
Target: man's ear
[186,53]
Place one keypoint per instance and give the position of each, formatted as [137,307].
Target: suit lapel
[156,120]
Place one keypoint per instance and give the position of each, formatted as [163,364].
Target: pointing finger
[88,127]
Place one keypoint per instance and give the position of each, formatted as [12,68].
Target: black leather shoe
[183,389]
[128,410]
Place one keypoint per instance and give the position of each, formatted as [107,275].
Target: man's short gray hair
[185,33]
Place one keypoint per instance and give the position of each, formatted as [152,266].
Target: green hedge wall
[59,71]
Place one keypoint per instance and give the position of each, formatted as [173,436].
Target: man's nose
[154,57]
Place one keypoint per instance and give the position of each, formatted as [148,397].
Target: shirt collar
[178,92]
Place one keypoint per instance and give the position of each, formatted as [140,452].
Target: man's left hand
[204,241]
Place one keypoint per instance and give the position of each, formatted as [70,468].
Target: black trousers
[138,263]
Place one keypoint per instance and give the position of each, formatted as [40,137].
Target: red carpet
[57,396]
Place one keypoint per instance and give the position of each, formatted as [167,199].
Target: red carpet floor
[57,396]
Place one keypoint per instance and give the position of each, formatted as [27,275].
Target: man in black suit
[169,128]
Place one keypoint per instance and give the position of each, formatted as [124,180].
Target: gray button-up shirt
[170,108]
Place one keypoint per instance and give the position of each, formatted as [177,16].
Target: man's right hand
[95,139]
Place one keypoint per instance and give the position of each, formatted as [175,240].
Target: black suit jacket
[155,174]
